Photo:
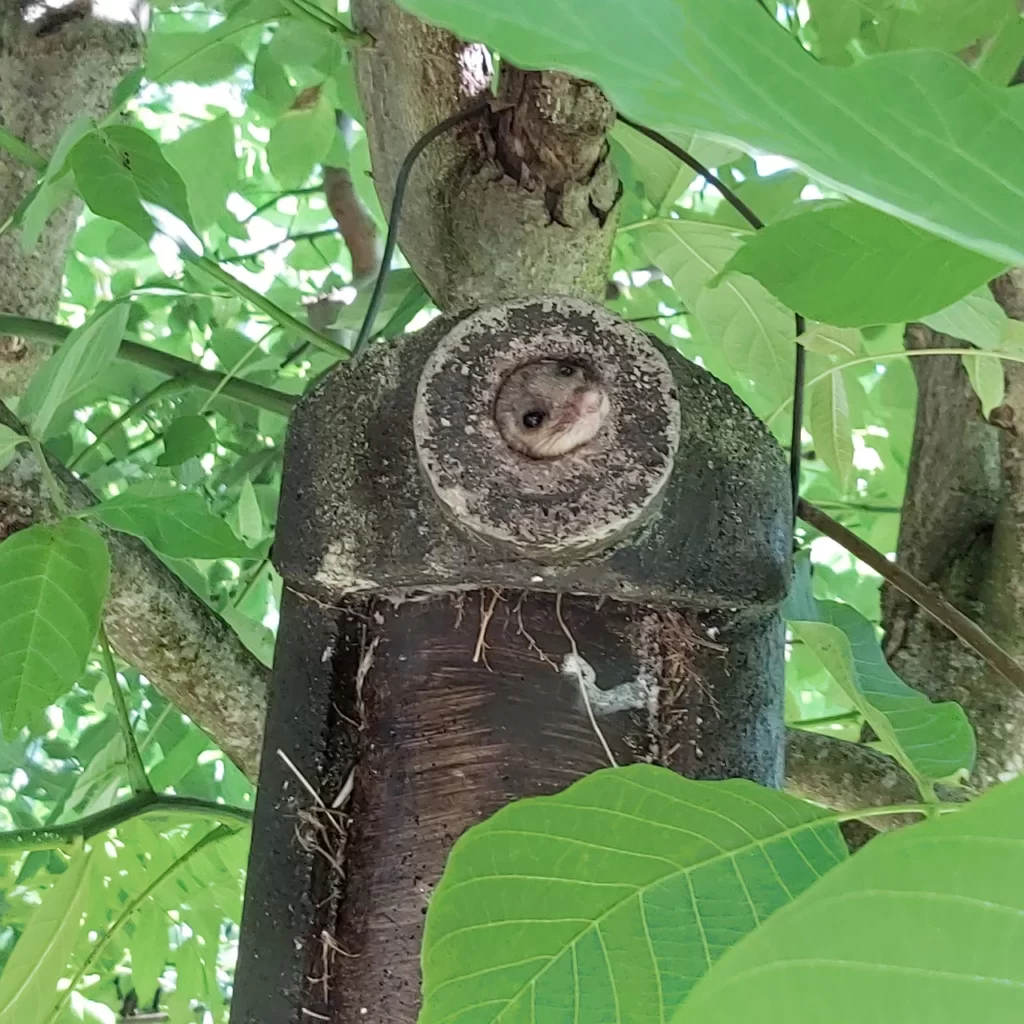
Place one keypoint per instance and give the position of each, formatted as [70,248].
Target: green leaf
[300,140]
[987,379]
[302,43]
[618,892]
[208,57]
[149,946]
[270,82]
[976,318]
[53,581]
[943,24]
[107,186]
[84,355]
[157,181]
[924,926]
[178,525]
[186,438]
[905,133]
[853,266]
[826,340]
[933,741]
[55,187]
[9,440]
[756,333]
[28,984]
[664,176]
[829,424]
[205,158]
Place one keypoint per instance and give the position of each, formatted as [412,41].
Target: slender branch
[931,601]
[213,836]
[162,362]
[305,236]
[137,777]
[22,150]
[57,837]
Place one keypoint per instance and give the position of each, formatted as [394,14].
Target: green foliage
[904,198]
[28,985]
[722,69]
[53,582]
[621,891]
[176,525]
[933,742]
[923,925]
[86,353]
[853,266]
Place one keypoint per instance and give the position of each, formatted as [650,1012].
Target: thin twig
[997,658]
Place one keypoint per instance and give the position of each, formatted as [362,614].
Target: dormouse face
[550,407]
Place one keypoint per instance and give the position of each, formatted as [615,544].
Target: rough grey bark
[50,73]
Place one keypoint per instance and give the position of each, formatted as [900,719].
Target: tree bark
[51,72]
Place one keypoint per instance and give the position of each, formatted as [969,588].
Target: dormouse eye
[533,419]
[566,369]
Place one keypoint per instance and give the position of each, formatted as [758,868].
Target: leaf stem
[264,305]
[213,836]
[52,485]
[926,810]
[137,777]
[63,837]
[22,151]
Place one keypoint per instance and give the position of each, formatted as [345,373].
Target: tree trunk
[465,626]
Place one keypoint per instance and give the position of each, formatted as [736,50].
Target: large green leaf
[157,180]
[922,926]
[84,355]
[178,525]
[28,984]
[911,134]
[933,741]
[107,186]
[612,897]
[853,266]
[53,581]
